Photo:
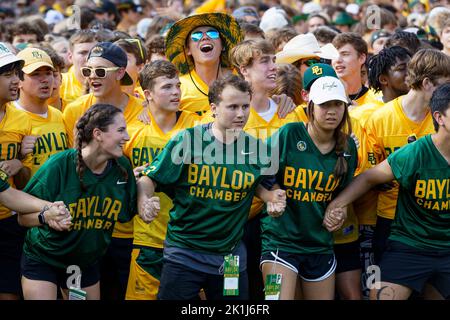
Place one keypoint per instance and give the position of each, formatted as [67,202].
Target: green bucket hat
[315,72]
[229,30]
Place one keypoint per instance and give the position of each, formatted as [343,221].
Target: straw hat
[229,30]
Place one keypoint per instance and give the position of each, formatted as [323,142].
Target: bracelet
[41,216]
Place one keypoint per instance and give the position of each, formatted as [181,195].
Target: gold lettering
[431,189]
[106,204]
[204,176]
[98,223]
[420,189]
[192,173]
[236,180]
[223,184]
[248,180]
[115,210]
[81,208]
[215,174]
[289,175]
[312,176]
[319,181]
[301,178]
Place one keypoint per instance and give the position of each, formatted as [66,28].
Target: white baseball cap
[326,89]
[7,57]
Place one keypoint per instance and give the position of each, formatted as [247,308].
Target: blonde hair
[244,53]
[427,63]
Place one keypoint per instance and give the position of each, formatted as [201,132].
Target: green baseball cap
[315,72]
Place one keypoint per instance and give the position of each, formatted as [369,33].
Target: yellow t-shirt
[388,130]
[52,136]
[70,89]
[369,97]
[146,141]
[77,108]
[13,127]
[366,206]
[261,129]
[192,98]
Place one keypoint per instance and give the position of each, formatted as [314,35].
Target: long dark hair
[98,116]
[341,135]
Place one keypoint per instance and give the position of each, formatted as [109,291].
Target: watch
[41,216]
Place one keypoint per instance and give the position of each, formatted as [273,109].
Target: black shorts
[310,267]
[12,236]
[380,238]
[36,270]
[115,269]
[407,266]
[347,256]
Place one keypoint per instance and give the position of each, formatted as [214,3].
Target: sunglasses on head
[138,43]
[99,72]
[212,34]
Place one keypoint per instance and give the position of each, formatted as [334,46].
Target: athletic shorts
[310,267]
[347,256]
[12,236]
[37,270]
[115,269]
[145,273]
[410,267]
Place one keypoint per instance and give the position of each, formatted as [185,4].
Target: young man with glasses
[105,72]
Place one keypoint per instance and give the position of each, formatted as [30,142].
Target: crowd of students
[189,150]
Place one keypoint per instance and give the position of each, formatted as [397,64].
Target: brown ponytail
[98,116]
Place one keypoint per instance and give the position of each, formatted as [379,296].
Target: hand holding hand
[277,205]
[150,209]
[334,218]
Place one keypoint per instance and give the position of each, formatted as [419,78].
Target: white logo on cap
[329,86]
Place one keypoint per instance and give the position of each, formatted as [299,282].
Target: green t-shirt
[109,198]
[212,186]
[307,176]
[3,181]
[422,218]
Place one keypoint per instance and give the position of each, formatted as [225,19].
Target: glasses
[99,72]
[412,138]
[212,34]
[138,42]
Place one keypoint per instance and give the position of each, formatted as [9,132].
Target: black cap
[105,6]
[115,54]
[128,4]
